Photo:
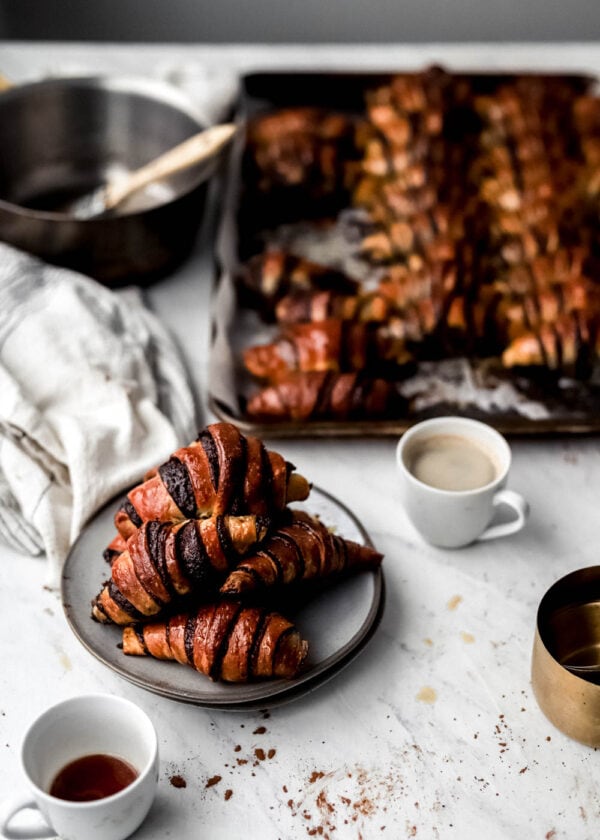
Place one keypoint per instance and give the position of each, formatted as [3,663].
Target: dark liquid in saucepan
[92,777]
[55,199]
[68,200]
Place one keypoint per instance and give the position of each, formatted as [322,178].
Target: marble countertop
[433,731]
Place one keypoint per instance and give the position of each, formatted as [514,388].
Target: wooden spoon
[199,148]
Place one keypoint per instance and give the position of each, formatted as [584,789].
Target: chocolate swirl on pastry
[164,562]
[303,550]
[223,472]
[226,641]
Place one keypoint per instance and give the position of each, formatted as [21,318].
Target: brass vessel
[565,669]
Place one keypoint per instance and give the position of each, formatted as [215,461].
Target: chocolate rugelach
[225,640]
[222,472]
[164,562]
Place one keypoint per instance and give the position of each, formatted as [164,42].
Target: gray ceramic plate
[337,623]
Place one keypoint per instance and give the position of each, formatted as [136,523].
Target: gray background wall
[288,21]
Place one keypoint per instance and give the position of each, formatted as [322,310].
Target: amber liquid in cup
[92,777]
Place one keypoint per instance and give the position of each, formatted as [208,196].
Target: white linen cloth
[92,394]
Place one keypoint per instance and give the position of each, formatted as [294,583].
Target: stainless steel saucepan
[61,138]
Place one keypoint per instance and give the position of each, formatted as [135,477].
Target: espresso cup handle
[519,506]
[10,809]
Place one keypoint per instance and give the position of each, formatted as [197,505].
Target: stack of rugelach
[200,541]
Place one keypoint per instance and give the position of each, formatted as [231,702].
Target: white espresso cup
[84,726]
[453,472]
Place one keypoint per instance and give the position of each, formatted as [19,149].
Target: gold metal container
[565,669]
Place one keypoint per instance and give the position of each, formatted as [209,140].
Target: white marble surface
[433,731]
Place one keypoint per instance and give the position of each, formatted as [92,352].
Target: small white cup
[86,725]
[455,518]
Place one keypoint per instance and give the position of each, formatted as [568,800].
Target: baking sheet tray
[513,404]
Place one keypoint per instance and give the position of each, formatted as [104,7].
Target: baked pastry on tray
[470,207]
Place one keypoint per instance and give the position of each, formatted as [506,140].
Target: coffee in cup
[452,462]
[453,472]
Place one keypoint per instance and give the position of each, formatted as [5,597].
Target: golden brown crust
[105,609]
[131,587]
[163,562]
[114,548]
[332,345]
[223,472]
[195,459]
[304,550]
[479,202]
[290,648]
[272,274]
[209,643]
[315,395]
[319,305]
[561,345]
[236,664]
[225,641]
[230,450]
[175,572]
[151,500]
[177,629]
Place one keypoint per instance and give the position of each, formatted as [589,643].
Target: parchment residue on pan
[457,382]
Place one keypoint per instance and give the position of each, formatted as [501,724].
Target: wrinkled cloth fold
[92,394]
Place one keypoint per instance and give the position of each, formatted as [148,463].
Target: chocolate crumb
[178,781]
[323,803]
[260,730]
[228,794]
[214,780]
[364,806]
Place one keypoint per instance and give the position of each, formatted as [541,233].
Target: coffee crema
[92,777]
[451,462]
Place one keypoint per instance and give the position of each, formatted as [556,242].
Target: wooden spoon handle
[200,147]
